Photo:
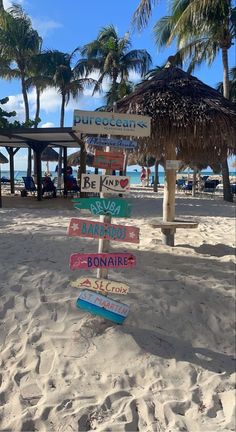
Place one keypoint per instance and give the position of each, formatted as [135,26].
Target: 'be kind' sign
[105,183]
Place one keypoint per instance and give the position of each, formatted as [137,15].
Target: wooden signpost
[108,160]
[106,183]
[93,229]
[114,207]
[103,306]
[102,260]
[111,142]
[103,285]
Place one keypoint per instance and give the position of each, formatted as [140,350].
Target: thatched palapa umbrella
[3,160]
[74,159]
[187,116]
[49,155]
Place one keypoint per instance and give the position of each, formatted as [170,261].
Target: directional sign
[111,142]
[173,164]
[104,206]
[98,304]
[106,183]
[107,231]
[108,160]
[102,260]
[102,285]
[94,122]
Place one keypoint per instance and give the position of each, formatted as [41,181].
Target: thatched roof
[49,155]
[3,159]
[185,112]
[74,159]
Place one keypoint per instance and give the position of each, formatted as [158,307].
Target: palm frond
[143,13]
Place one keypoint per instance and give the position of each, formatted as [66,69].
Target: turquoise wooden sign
[104,206]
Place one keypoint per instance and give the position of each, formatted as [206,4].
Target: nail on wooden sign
[107,231]
[108,160]
[102,260]
[104,206]
[105,183]
[102,285]
[105,307]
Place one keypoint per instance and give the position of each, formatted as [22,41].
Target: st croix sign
[94,122]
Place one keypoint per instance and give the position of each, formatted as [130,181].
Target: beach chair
[29,186]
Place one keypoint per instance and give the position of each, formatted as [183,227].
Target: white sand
[168,368]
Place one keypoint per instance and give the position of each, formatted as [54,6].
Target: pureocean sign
[94,122]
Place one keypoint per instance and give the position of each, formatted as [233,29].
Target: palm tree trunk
[26,103]
[228,196]
[1,5]
[155,185]
[36,118]
[62,118]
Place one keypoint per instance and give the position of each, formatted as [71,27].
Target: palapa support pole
[169,198]
[65,169]
[38,147]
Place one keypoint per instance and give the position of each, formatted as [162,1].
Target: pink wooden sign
[102,260]
[94,229]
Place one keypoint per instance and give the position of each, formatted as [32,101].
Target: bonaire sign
[102,260]
[94,122]
[105,183]
[107,231]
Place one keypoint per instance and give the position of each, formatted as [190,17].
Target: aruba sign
[94,122]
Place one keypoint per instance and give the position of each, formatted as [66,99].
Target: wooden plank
[103,285]
[111,142]
[106,123]
[108,160]
[105,183]
[105,307]
[172,164]
[155,223]
[102,260]
[106,231]
[114,207]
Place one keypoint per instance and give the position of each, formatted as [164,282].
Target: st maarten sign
[95,122]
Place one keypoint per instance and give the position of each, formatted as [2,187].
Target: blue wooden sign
[103,306]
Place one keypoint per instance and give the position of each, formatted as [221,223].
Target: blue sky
[67,25]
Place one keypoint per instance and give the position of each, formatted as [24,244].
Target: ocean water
[134,176]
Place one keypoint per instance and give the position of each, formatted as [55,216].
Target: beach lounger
[29,186]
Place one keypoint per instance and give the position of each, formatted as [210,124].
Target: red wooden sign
[108,160]
[102,260]
[93,229]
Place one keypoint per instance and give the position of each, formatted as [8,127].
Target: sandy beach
[168,368]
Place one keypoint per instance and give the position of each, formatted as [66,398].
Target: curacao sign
[94,122]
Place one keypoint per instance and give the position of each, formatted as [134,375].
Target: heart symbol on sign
[124,183]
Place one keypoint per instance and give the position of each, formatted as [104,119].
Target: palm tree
[61,74]
[18,43]
[202,28]
[111,57]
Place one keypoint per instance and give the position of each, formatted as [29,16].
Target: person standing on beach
[143,176]
[148,175]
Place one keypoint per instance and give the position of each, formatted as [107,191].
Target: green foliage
[5,115]
[111,57]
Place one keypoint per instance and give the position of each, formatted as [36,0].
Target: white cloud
[44,25]
[8,3]
[48,125]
